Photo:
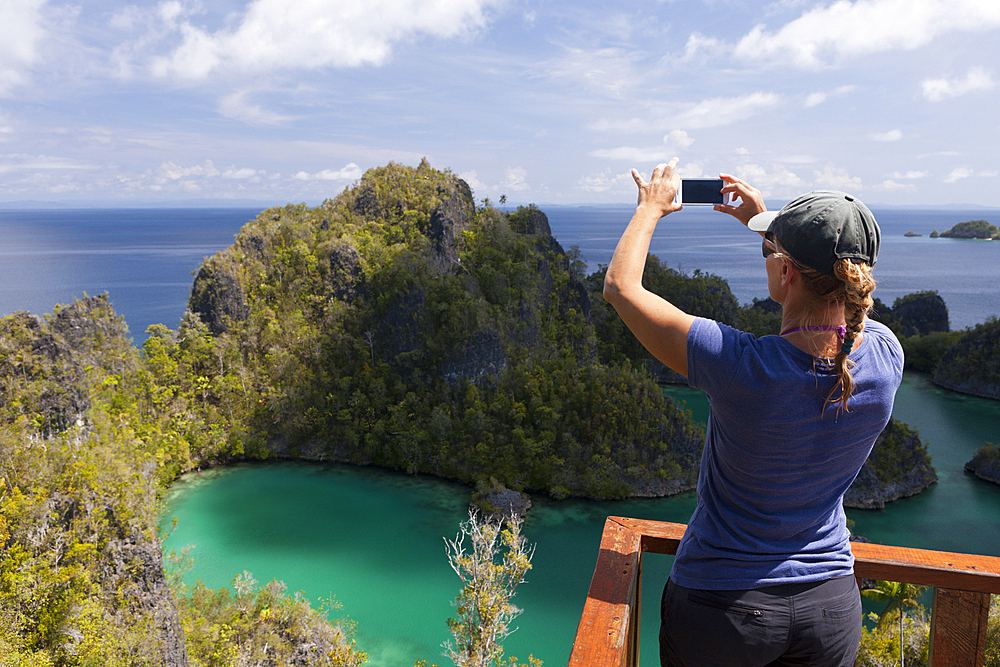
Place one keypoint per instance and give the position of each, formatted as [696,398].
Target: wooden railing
[608,634]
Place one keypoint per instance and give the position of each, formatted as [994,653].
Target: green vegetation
[972,364]
[880,646]
[988,454]
[985,463]
[897,596]
[493,568]
[973,229]
[899,466]
[81,579]
[400,326]
[917,314]
[261,625]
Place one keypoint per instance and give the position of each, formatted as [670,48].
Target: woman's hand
[658,194]
[751,203]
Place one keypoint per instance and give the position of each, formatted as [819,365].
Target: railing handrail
[608,633]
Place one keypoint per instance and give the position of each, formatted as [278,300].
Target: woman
[764,573]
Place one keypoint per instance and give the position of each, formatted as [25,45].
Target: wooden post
[606,632]
[958,628]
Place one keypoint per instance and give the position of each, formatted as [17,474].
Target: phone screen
[701,191]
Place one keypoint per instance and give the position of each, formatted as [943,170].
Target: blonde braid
[852,287]
[857,284]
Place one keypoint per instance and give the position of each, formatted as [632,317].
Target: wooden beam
[958,628]
[606,630]
[967,572]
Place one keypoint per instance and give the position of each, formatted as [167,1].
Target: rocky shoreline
[986,464]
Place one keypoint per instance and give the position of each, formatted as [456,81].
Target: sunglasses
[768,248]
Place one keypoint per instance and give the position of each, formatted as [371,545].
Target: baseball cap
[822,226]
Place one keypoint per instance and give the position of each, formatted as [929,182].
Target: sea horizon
[145,258]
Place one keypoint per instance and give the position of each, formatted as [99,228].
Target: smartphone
[700,191]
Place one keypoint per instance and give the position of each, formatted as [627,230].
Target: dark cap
[821,227]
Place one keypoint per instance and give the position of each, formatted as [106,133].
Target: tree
[897,595]
[490,572]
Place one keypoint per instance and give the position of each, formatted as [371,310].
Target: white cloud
[977,78]
[909,175]
[605,182]
[891,135]
[699,46]
[278,34]
[891,185]
[349,172]
[774,180]
[20,33]
[609,71]
[831,33]
[817,98]
[678,138]
[244,174]
[725,110]
[235,106]
[835,178]
[472,178]
[633,154]
[959,173]
[619,125]
[13,162]
[174,172]
[692,170]
[515,178]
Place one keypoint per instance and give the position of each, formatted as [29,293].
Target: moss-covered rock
[898,467]
[986,463]
[972,365]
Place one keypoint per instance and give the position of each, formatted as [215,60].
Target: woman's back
[778,458]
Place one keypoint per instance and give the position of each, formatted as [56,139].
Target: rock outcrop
[986,463]
[898,467]
[972,365]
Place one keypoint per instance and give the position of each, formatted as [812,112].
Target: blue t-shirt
[776,464]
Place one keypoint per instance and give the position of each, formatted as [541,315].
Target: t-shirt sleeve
[714,351]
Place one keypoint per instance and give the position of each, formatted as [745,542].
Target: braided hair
[851,286]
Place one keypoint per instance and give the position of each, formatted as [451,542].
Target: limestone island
[973,229]
[986,463]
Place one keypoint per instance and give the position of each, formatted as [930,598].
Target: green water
[374,539]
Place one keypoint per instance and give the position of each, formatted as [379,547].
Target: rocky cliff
[972,365]
[78,544]
[898,467]
[986,463]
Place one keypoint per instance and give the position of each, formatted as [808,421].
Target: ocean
[145,258]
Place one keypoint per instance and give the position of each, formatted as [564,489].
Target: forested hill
[401,325]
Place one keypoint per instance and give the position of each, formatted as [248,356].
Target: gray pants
[816,624]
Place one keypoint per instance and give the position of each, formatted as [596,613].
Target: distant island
[912,233]
[972,229]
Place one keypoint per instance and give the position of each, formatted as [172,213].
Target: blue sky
[548,101]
